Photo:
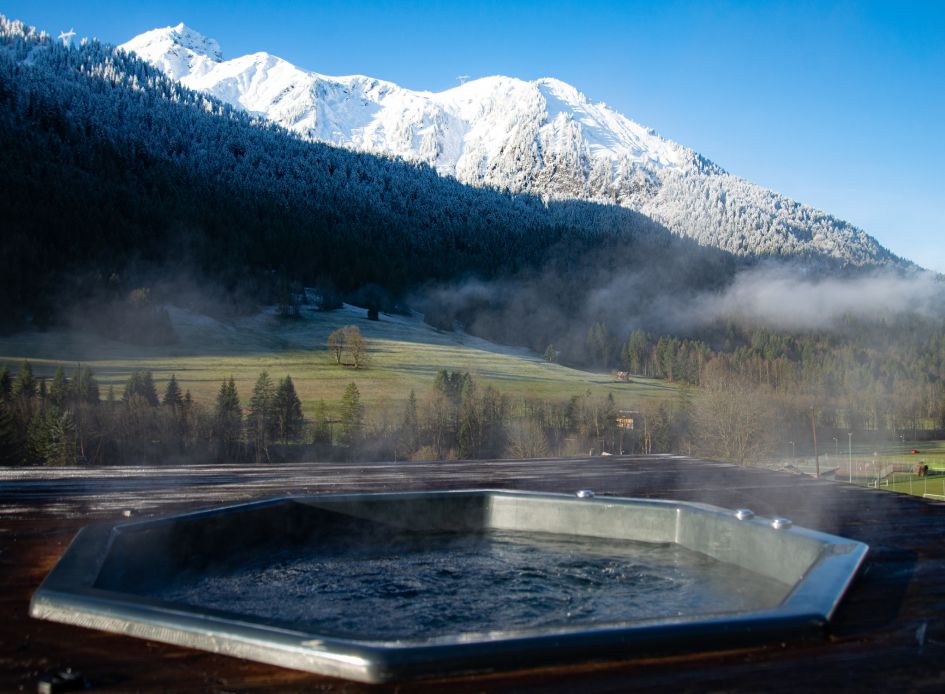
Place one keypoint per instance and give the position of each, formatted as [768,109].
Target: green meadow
[405,354]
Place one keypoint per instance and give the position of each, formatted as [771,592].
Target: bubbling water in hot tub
[423,585]
[390,586]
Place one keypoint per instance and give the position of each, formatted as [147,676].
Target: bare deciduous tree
[348,339]
[733,418]
[356,344]
[336,344]
[527,440]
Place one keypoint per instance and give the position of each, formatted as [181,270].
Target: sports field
[885,466]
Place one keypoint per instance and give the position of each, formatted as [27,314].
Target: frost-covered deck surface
[889,633]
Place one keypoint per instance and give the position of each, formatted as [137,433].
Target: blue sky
[840,105]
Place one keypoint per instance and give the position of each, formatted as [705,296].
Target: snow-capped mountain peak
[542,137]
[178,51]
[461,131]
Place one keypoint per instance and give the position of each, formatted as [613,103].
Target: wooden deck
[889,633]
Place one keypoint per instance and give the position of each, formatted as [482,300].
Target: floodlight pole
[850,451]
[813,428]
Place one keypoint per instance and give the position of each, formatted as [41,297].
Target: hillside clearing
[405,354]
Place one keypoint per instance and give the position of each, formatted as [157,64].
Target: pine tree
[410,429]
[287,409]
[352,416]
[37,439]
[188,418]
[227,420]
[141,384]
[441,382]
[635,352]
[85,387]
[6,383]
[25,385]
[60,439]
[59,390]
[11,442]
[149,390]
[598,345]
[260,421]
[172,395]
[321,429]
[451,384]
[173,416]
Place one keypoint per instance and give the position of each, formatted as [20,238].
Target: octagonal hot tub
[379,587]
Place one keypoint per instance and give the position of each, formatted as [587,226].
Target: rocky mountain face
[542,137]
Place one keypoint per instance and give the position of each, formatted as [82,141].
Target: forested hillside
[541,137]
[111,174]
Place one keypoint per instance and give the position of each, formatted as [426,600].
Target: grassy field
[911,484]
[405,354]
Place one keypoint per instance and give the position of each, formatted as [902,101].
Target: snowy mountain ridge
[542,137]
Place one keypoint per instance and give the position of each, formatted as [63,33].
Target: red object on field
[915,450]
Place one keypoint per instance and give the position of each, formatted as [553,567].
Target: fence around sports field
[894,476]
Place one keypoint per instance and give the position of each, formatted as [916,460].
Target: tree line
[71,419]
[66,420]
[758,391]
[881,375]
